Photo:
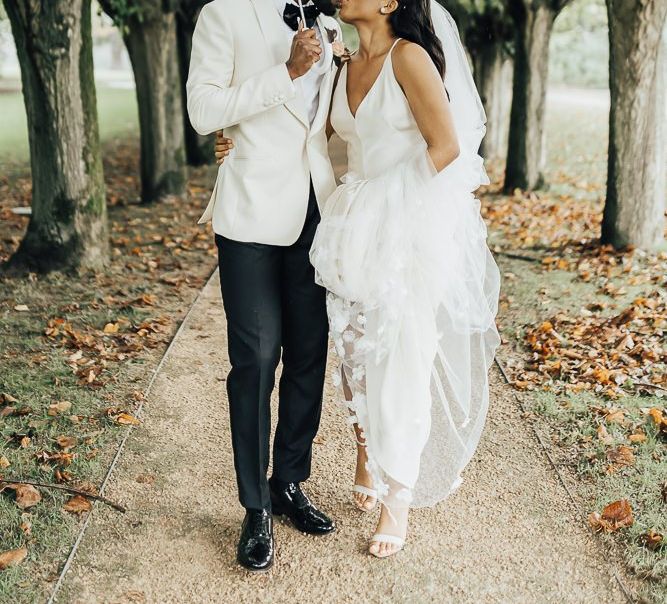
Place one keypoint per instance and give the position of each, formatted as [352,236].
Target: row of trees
[68,225]
[509,44]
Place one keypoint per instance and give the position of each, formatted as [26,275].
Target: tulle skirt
[413,294]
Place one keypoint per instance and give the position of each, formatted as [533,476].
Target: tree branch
[60,487]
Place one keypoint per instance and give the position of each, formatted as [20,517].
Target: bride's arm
[425,91]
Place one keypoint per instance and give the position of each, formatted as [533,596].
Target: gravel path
[508,535]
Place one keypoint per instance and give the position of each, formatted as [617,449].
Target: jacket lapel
[279,47]
[324,102]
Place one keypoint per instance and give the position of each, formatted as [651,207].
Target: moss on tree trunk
[68,225]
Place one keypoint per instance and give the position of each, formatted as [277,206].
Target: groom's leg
[250,277]
[305,342]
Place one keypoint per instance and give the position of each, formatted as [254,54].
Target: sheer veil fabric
[412,286]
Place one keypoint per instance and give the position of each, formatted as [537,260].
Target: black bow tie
[292,15]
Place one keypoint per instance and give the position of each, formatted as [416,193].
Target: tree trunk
[526,152]
[199,150]
[493,76]
[634,210]
[151,44]
[68,225]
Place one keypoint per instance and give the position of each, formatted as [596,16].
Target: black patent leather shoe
[287,499]
[256,549]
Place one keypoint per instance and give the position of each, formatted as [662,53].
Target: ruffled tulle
[413,293]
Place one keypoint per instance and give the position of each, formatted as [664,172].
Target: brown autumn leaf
[615,516]
[59,408]
[26,495]
[121,417]
[7,399]
[7,411]
[615,416]
[4,462]
[13,557]
[659,418]
[111,328]
[652,540]
[66,442]
[604,436]
[77,505]
[637,437]
[620,457]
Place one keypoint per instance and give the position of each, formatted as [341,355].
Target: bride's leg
[362,477]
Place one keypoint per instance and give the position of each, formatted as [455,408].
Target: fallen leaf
[77,505]
[13,557]
[621,457]
[27,496]
[66,442]
[21,308]
[615,516]
[7,399]
[604,436]
[615,416]
[125,419]
[26,526]
[656,416]
[59,407]
[111,328]
[637,437]
[4,462]
[652,540]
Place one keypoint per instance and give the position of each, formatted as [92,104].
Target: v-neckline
[377,79]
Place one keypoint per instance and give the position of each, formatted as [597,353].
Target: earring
[383,10]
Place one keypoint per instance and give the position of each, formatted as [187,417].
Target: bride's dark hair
[412,21]
[326,7]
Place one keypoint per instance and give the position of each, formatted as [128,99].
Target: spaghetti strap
[391,50]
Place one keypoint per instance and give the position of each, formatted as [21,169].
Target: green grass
[576,174]
[117,116]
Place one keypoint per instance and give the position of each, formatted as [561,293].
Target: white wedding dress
[412,299]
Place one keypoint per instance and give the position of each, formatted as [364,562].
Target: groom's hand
[306,51]
[222,147]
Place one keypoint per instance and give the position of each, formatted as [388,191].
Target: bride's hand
[222,147]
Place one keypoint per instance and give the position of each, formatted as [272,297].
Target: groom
[267,81]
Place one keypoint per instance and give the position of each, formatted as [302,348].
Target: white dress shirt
[308,85]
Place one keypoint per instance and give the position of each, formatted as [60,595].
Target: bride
[401,249]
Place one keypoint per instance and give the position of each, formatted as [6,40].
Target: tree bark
[493,75]
[635,206]
[199,150]
[68,225]
[149,32]
[526,152]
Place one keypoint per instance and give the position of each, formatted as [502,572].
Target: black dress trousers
[273,308]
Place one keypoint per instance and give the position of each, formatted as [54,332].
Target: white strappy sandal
[371,493]
[359,488]
[391,539]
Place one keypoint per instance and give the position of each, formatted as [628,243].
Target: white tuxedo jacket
[238,81]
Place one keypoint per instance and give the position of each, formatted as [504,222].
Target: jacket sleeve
[213,103]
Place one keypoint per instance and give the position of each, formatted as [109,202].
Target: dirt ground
[510,534]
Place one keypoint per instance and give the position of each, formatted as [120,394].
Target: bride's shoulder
[409,52]
[410,59]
